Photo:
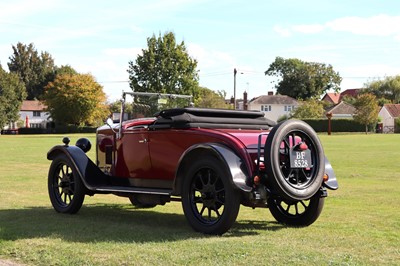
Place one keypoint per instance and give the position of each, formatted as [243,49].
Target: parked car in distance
[212,160]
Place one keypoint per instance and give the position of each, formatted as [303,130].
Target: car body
[211,160]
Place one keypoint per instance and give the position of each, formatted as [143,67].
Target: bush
[57,130]
[63,129]
[32,130]
[397,125]
[337,125]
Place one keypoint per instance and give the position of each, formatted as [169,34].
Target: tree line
[165,66]
[71,97]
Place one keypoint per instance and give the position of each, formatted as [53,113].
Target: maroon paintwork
[151,155]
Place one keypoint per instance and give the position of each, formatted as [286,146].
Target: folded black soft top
[211,118]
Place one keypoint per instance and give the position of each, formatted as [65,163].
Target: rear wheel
[290,178]
[66,190]
[209,201]
[296,213]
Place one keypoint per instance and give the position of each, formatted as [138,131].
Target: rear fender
[87,170]
[332,182]
[237,170]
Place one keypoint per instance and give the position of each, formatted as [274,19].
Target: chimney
[245,100]
[270,93]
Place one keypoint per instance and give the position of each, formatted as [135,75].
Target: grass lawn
[360,223]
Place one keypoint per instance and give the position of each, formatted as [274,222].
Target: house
[335,98]
[388,113]
[353,93]
[34,114]
[342,110]
[274,106]
[331,97]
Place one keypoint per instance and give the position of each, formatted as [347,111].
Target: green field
[360,224]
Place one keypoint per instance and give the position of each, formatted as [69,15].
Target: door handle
[143,141]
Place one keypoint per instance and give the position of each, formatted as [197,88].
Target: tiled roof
[350,92]
[33,106]
[332,97]
[342,108]
[393,109]
[274,99]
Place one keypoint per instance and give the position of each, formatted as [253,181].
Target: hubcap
[208,196]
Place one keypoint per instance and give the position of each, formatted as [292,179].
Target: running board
[152,191]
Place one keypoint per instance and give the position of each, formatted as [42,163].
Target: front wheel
[209,201]
[66,190]
[296,213]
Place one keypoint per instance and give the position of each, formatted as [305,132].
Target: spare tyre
[294,160]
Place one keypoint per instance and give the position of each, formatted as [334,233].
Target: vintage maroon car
[211,160]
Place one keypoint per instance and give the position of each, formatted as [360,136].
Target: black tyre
[298,182]
[138,204]
[209,201]
[296,213]
[66,190]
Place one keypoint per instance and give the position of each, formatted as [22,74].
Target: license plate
[300,159]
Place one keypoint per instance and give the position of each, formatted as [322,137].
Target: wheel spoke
[208,177]
[199,176]
[202,210]
[198,200]
[293,139]
[304,205]
[286,142]
[220,190]
[288,207]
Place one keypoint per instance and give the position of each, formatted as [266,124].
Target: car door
[133,160]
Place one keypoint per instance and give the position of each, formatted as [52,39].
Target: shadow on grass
[109,222]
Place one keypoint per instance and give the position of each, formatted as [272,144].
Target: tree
[303,80]
[76,99]
[207,98]
[33,69]
[307,109]
[12,93]
[388,89]
[67,69]
[367,110]
[164,67]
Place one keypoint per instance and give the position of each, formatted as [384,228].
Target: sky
[360,39]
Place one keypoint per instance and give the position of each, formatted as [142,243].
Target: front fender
[232,162]
[88,171]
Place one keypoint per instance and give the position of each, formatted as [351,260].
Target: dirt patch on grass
[9,263]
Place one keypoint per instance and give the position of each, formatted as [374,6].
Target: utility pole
[234,88]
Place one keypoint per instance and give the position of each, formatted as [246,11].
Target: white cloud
[282,31]
[123,52]
[17,9]
[308,29]
[380,25]
[210,58]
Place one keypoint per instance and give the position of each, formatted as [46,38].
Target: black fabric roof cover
[211,118]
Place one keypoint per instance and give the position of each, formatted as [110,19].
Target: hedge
[73,129]
[32,130]
[337,125]
[58,129]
